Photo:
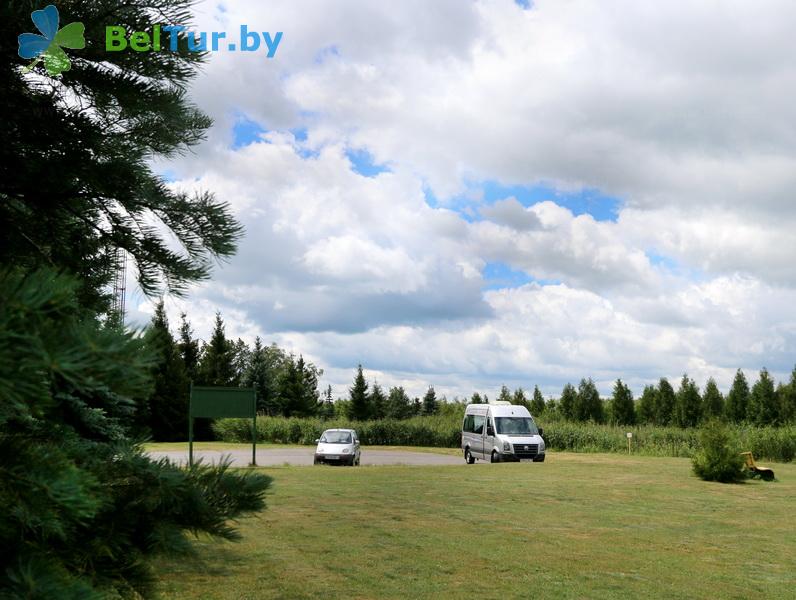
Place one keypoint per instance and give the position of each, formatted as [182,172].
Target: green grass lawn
[577,526]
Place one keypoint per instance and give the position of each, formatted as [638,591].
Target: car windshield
[516,426]
[336,437]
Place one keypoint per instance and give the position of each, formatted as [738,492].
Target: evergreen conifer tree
[85,511]
[216,367]
[90,509]
[298,389]
[271,363]
[551,408]
[76,179]
[738,399]
[256,375]
[664,407]
[417,407]
[647,404]
[399,406]
[360,401]
[430,404]
[327,409]
[189,348]
[588,405]
[505,394]
[622,407]
[241,357]
[167,407]
[787,400]
[687,403]
[537,406]
[290,389]
[712,401]
[763,402]
[378,402]
[566,404]
[519,398]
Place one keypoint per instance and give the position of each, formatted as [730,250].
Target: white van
[500,432]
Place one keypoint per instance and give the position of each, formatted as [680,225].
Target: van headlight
[346,450]
[541,446]
[506,447]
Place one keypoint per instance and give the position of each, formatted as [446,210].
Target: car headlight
[346,450]
[541,446]
[506,447]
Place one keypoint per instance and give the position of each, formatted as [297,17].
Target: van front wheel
[468,456]
[495,456]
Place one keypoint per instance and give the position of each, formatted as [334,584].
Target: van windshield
[516,426]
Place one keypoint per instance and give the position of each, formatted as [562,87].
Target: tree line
[765,403]
[364,404]
[287,385]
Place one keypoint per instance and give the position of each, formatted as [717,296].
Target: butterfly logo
[48,47]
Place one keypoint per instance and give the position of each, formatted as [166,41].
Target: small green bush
[719,458]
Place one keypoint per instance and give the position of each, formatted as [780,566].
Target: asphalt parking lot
[303,456]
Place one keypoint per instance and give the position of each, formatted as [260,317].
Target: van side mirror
[318,440]
[541,431]
[490,430]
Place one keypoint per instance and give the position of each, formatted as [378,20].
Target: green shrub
[719,458]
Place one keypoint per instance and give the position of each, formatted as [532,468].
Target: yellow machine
[764,473]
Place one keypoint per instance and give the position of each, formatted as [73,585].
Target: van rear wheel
[495,456]
[468,456]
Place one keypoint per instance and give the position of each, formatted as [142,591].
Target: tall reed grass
[767,443]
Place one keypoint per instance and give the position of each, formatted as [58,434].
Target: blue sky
[245,132]
[686,264]
[601,207]
[498,275]
[362,163]
[586,201]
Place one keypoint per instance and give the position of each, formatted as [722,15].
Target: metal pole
[190,426]
[254,431]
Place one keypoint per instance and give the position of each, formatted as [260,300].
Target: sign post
[222,402]
[629,437]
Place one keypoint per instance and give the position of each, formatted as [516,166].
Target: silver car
[338,447]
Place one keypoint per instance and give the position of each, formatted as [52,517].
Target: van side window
[469,423]
[478,426]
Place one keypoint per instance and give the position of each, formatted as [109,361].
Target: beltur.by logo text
[166,37]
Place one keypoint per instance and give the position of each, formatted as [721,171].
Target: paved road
[303,456]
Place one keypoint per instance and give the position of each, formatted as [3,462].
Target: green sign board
[222,402]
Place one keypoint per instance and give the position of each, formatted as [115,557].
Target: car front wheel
[495,456]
